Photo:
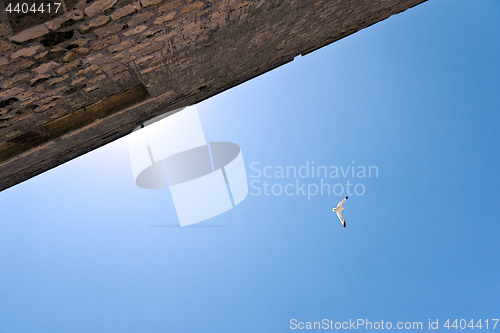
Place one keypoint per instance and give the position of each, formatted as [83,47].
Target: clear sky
[83,249]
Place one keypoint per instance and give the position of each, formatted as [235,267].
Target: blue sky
[83,249]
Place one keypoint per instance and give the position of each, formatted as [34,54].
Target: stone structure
[77,79]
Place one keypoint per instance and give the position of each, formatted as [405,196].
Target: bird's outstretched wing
[340,203]
[341,218]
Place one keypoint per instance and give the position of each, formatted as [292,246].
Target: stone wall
[73,81]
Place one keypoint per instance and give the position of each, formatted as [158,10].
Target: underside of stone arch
[76,79]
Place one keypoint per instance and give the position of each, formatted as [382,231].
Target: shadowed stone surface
[90,74]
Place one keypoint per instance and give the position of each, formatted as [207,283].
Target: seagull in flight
[339,211]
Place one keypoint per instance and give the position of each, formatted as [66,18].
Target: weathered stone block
[25,52]
[46,67]
[25,94]
[119,69]
[114,59]
[93,24]
[39,88]
[30,34]
[170,5]
[110,66]
[50,55]
[139,18]
[192,7]
[128,59]
[29,101]
[93,57]
[147,3]
[98,7]
[152,49]
[97,79]
[152,32]
[76,54]
[108,29]
[135,31]
[4,61]
[165,37]
[10,93]
[39,79]
[67,19]
[44,107]
[143,60]
[6,46]
[165,18]
[55,80]
[55,91]
[123,45]
[105,42]
[91,68]
[127,10]
[240,5]
[69,67]
[78,80]
[49,99]
[78,43]
[15,80]
[139,47]
[150,69]
[92,88]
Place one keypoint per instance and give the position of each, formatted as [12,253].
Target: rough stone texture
[105,42]
[90,75]
[25,52]
[165,18]
[69,67]
[122,46]
[139,19]
[147,3]
[124,11]
[46,67]
[71,16]
[135,31]
[29,34]
[109,29]
[14,80]
[99,6]
[76,54]
[92,24]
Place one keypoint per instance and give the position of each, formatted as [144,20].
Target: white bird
[338,209]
